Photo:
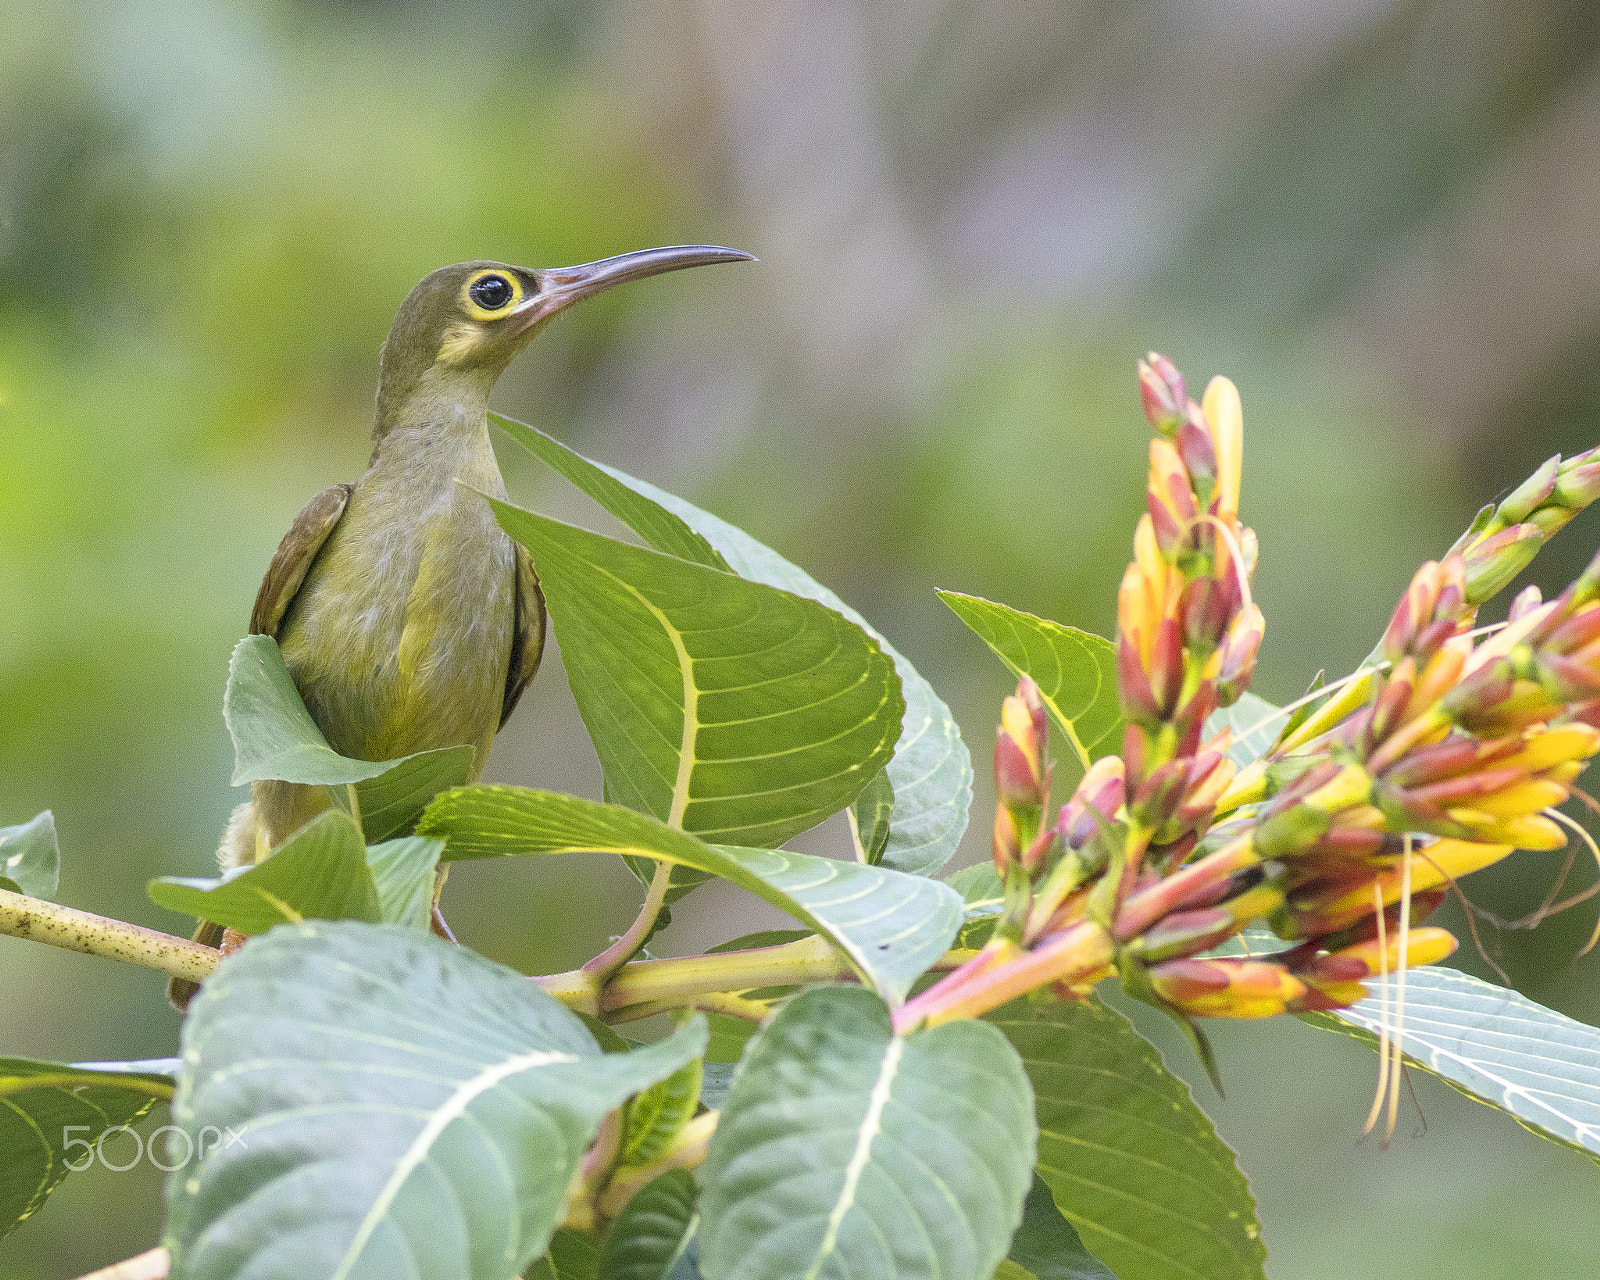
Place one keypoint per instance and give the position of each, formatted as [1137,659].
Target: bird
[406,616]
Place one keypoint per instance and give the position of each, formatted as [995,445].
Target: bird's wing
[527,639]
[294,556]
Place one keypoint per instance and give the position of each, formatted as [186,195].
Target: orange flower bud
[1007,843]
[1529,796]
[1226,988]
[1328,905]
[1337,978]
[1525,831]
[1170,501]
[1492,562]
[1023,721]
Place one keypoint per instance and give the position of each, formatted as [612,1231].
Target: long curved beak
[562,286]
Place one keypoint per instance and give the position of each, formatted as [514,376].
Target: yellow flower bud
[1225,418]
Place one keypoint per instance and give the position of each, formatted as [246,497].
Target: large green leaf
[846,1151]
[1076,671]
[274,737]
[729,708]
[1492,1044]
[890,926]
[1047,1247]
[931,772]
[651,1235]
[30,860]
[52,1117]
[322,872]
[403,1107]
[1133,1164]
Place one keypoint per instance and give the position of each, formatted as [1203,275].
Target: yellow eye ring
[491,294]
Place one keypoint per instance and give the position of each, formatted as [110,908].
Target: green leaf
[1255,724]
[319,872]
[322,872]
[1076,671]
[390,802]
[726,707]
[651,1235]
[846,1151]
[931,773]
[657,1114]
[404,1107]
[30,860]
[274,737]
[984,895]
[870,819]
[890,926]
[980,889]
[761,938]
[1492,1044]
[1132,1163]
[1047,1247]
[403,873]
[618,494]
[573,1255]
[722,1055]
[52,1117]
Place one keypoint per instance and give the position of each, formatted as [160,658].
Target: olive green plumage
[407,617]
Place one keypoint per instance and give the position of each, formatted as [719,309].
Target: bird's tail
[238,849]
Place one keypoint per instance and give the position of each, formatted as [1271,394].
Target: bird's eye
[492,292]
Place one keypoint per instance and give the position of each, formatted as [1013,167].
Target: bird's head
[460,327]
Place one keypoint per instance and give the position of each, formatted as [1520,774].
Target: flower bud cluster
[1436,763]
[1468,743]
[1021,782]
[1503,539]
[1187,630]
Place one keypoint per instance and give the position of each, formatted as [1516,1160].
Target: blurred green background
[1378,217]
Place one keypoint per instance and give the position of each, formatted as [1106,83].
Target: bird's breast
[400,638]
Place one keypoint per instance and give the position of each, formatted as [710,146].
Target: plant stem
[621,951]
[652,986]
[711,1002]
[151,1265]
[1080,953]
[682,978]
[58,926]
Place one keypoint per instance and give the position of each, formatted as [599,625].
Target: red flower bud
[1138,698]
[1163,393]
[1199,458]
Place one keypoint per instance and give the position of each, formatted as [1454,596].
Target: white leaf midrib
[871,1124]
[454,1107]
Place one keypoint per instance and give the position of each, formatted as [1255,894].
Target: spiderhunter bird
[407,617]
